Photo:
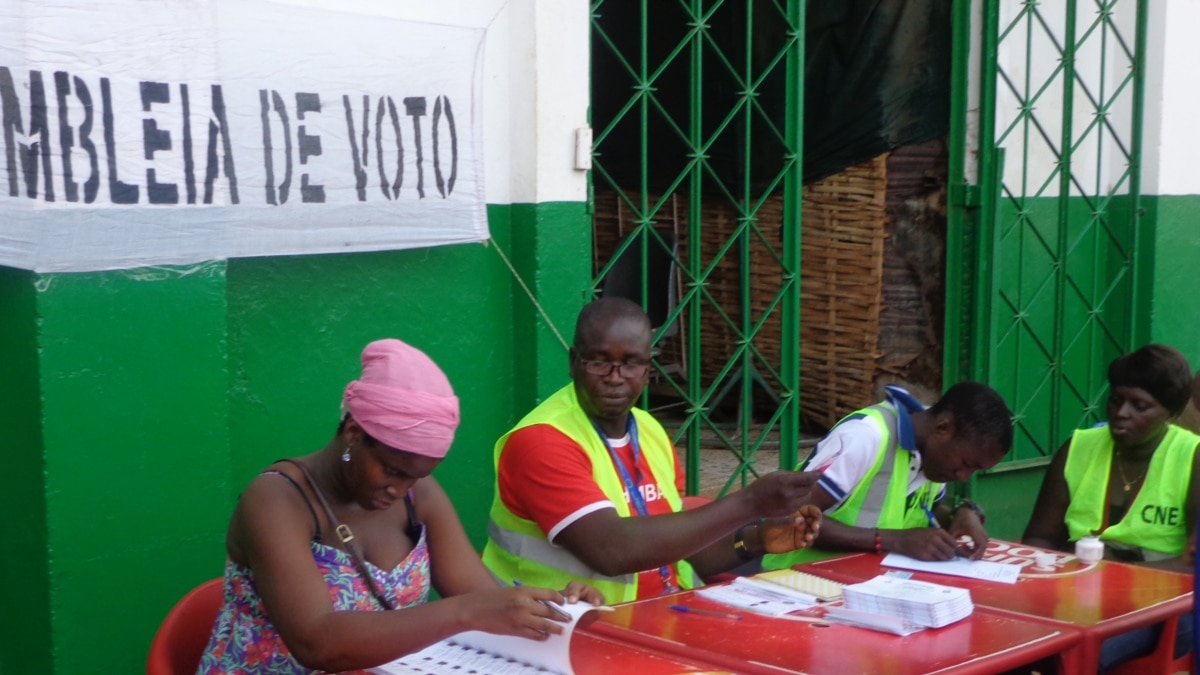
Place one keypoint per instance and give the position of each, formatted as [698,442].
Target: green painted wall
[545,260]
[1175,313]
[142,400]
[1008,498]
[133,385]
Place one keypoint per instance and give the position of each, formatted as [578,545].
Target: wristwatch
[739,544]
[968,504]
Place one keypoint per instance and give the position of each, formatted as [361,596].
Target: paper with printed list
[479,652]
[758,596]
[958,567]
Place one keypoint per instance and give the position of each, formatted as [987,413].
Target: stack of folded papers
[915,602]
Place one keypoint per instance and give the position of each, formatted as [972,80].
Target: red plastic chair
[184,634]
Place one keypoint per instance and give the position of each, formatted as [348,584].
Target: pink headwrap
[403,399]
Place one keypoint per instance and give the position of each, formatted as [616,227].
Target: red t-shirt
[546,477]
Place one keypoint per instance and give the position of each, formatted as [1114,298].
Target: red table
[1105,599]
[597,655]
[986,642]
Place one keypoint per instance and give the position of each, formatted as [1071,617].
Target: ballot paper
[758,596]
[479,652]
[819,587]
[958,567]
[917,602]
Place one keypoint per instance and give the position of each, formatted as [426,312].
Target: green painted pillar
[25,570]
[552,251]
[121,406]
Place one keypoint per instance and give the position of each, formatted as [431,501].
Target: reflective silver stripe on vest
[872,506]
[541,550]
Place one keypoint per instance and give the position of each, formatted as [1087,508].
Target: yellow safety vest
[880,499]
[1156,520]
[517,549]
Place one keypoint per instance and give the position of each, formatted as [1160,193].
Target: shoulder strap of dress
[347,537]
[413,531]
[307,501]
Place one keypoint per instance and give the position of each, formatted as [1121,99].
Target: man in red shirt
[588,487]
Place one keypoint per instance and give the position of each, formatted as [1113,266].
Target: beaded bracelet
[878,542]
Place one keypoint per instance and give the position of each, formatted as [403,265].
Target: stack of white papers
[880,622]
[916,602]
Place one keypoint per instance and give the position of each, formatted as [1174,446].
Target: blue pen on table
[705,612]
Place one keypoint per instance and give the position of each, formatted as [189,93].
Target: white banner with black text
[178,131]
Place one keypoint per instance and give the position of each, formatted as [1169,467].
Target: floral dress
[245,642]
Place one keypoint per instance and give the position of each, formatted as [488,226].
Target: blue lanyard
[631,487]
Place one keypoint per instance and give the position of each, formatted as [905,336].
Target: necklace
[1130,483]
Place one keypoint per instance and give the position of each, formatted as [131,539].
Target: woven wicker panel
[914,263]
[841,290]
[841,283]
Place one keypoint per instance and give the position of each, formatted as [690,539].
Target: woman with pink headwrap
[320,545]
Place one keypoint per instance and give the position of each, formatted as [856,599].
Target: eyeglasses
[629,371]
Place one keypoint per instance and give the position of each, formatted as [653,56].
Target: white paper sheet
[958,567]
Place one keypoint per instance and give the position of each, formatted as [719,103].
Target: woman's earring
[346,454]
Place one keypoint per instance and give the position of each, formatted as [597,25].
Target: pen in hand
[933,522]
[707,612]
[554,608]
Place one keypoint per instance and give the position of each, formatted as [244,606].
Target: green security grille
[696,112]
[1048,217]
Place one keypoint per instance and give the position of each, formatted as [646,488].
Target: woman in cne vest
[1129,482]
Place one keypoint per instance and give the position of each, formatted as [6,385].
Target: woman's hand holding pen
[577,590]
[529,611]
[515,610]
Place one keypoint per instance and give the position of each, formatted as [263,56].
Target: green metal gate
[1044,229]
[696,112]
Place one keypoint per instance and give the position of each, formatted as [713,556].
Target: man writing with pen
[884,470]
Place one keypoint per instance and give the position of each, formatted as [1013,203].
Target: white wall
[535,92]
[1172,133]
